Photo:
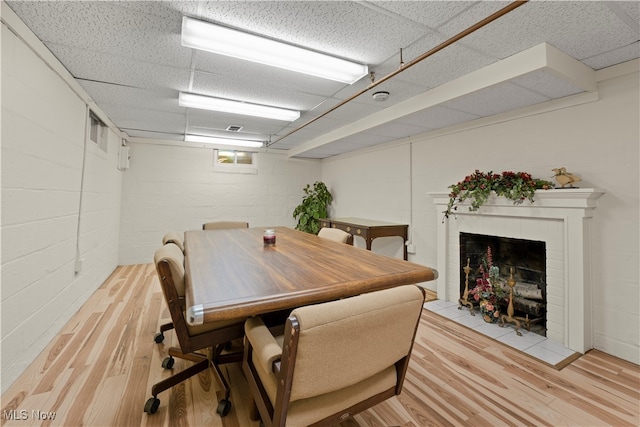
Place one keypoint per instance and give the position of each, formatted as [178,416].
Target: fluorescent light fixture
[223,141]
[236,107]
[203,35]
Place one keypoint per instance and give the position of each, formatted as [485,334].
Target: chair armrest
[266,350]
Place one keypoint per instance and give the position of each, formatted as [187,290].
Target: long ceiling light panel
[223,141]
[236,107]
[203,35]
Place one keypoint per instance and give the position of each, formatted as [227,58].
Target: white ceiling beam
[570,69]
[540,57]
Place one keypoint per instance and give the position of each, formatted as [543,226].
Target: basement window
[235,161]
[98,131]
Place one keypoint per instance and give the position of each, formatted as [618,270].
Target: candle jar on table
[269,237]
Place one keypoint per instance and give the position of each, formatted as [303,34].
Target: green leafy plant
[313,207]
[477,187]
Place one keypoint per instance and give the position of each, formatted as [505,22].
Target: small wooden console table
[369,229]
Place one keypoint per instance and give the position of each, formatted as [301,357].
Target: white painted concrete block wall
[169,187]
[375,184]
[43,131]
[598,141]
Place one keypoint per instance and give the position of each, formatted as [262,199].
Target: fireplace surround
[562,219]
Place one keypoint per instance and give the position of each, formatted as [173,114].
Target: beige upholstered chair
[335,359]
[211,337]
[174,237]
[336,234]
[221,225]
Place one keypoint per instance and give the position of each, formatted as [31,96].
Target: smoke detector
[381,96]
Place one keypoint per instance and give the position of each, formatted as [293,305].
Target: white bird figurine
[563,177]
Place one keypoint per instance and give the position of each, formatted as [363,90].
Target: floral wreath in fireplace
[477,187]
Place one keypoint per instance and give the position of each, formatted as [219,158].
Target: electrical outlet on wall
[78,266]
[411,248]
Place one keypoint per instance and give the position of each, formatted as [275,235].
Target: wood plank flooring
[99,370]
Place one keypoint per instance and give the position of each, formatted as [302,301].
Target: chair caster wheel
[151,407]
[168,362]
[224,407]
[158,338]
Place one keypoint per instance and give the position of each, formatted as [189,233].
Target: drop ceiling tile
[343,28]
[107,27]
[255,91]
[317,154]
[437,117]
[631,8]
[143,119]
[231,68]
[166,9]
[322,153]
[304,134]
[432,14]
[409,53]
[348,112]
[398,90]
[102,67]
[448,64]
[220,121]
[580,29]
[547,84]
[495,99]
[286,143]
[613,57]
[470,16]
[151,99]
[396,129]
[358,141]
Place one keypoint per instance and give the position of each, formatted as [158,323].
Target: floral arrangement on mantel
[477,187]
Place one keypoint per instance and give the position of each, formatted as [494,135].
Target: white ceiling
[128,57]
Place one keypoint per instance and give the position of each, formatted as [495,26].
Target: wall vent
[234,128]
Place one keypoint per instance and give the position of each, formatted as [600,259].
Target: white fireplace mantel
[560,218]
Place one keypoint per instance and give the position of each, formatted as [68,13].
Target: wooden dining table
[232,274]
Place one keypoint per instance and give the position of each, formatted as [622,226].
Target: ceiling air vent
[234,128]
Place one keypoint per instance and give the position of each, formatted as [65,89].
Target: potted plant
[313,207]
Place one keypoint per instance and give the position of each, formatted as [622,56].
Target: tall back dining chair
[211,337]
[336,234]
[175,238]
[223,225]
[334,360]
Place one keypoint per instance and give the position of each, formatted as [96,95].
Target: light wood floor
[98,372]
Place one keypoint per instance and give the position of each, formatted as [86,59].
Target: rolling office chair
[223,225]
[170,237]
[336,234]
[214,337]
[335,359]
[174,237]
